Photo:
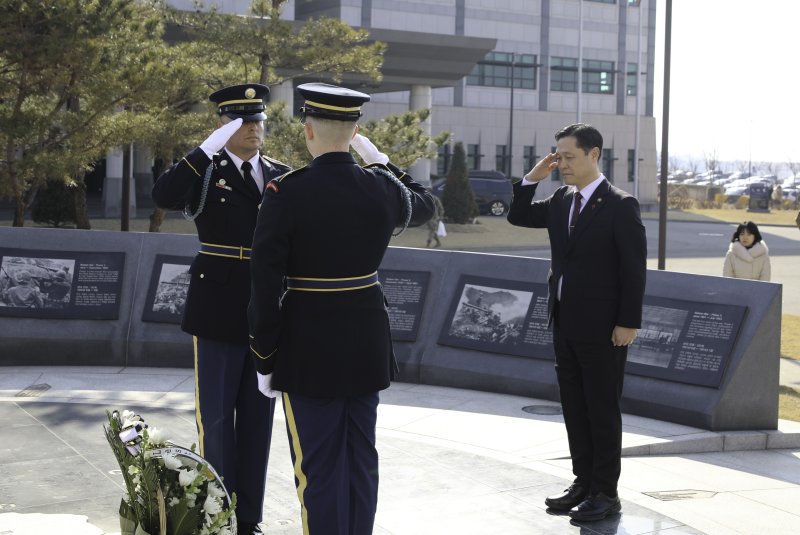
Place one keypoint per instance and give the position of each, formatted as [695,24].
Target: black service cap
[245,101]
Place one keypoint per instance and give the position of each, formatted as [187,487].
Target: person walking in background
[220,185]
[436,223]
[323,339]
[748,254]
[596,289]
[776,199]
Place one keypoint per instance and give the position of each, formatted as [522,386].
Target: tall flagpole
[638,101]
[580,58]
[662,209]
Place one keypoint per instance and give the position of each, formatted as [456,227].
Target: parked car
[492,190]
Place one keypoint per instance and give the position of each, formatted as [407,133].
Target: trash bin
[759,198]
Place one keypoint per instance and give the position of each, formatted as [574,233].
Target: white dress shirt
[255,161]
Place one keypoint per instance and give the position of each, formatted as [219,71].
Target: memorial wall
[707,354]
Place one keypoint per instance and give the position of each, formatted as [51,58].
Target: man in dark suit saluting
[596,287]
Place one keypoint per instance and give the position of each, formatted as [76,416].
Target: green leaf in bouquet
[182,519]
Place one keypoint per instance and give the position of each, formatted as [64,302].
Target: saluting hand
[219,137]
[543,168]
[367,150]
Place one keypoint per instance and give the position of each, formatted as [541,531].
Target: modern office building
[502,76]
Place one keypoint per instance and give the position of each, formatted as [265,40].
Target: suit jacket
[331,220]
[216,304]
[603,263]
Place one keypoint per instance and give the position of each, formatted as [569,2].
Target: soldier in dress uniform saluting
[319,325]
[220,185]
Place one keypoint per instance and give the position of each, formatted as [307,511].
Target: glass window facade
[598,76]
[608,164]
[443,160]
[631,166]
[495,71]
[500,157]
[528,158]
[473,156]
[631,80]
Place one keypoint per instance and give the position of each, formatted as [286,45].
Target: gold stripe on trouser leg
[302,482]
[197,415]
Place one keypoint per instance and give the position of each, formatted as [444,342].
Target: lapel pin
[223,163]
[599,199]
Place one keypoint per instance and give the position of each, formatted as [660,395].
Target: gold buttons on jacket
[202,275]
[222,199]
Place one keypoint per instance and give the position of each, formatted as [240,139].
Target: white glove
[265,385]
[368,151]
[214,143]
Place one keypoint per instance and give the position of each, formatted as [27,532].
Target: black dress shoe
[568,499]
[245,528]
[595,507]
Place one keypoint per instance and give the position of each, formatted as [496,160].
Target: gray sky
[734,81]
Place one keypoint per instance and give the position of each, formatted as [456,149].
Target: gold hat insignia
[250,92]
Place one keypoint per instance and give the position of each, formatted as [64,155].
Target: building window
[606,1]
[556,174]
[495,71]
[528,158]
[631,164]
[563,74]
[631,80]
[500,157]
[608,164]
[443,160]
[473,156]
[598,76]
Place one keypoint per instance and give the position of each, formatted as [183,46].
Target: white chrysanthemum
[156,436]
[225,530]
[174,501]
[133,469]
[212,505]
[215,490]
[186,477]
[172,462]
[127,415]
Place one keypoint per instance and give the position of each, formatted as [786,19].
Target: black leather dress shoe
[568,499]
[595,507]
[244,528]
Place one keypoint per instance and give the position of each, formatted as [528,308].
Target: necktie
[576,210]
[247,171]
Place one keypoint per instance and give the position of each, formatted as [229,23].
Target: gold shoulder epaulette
[277,162]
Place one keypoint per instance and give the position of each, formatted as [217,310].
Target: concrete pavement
[452,462]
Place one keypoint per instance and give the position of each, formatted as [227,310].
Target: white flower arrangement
[169,490]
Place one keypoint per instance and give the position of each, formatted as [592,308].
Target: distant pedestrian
[777,197]
[748,254]
[436,224]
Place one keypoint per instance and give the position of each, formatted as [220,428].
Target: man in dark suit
[219,185]
[596,287]
[318,319]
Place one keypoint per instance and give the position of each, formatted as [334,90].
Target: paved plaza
[452,462]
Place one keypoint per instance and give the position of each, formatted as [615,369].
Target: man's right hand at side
[214,143]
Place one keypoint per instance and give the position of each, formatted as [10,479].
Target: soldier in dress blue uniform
[319,324]
[220,185]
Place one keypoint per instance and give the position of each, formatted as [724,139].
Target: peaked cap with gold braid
[331,101]
[245,101]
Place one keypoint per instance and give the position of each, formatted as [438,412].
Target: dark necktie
[576,210]
[248,175]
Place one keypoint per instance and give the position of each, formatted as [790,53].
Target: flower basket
[170,490]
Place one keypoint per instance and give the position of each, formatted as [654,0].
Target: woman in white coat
[748,255]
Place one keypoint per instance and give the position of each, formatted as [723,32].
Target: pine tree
[458,198]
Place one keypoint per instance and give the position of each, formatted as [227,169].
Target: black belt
[308,284]
[228,251]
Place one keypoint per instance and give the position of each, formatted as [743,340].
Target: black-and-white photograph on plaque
[405,292]
[499,316]
[169,284]
[685,341]
[60,284]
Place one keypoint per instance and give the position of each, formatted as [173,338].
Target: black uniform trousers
[332,441]
[590,377]
[234,422]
